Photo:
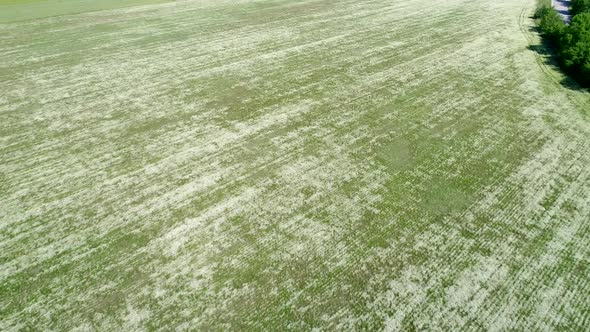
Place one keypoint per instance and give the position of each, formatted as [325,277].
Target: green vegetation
[22,10]
[580,6]
[571,42]
[551,23]
[289,165]
[575,48]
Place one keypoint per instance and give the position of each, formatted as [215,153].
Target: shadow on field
[551,59]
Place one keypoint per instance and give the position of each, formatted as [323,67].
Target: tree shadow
[551,59]
[563,12]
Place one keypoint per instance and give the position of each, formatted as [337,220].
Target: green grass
[289,165]
[22,10]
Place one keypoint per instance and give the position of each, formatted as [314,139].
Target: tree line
[571,42]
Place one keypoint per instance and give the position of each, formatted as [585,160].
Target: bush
[542,11]
[580,6]
[551,23]
[571,42]
[575,50]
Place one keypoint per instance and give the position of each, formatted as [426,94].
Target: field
[289,165]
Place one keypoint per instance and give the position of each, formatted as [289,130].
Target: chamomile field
[289,165]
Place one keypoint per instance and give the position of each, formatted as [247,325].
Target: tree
[551,24]
[575,45]
[542,11]
[580,6]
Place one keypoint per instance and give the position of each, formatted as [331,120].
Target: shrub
[542,11]
[551,23]
[575,48]
[572,42]
[580,6]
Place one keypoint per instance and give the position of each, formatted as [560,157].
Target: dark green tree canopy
[576,47]
[572,42]
[580,6]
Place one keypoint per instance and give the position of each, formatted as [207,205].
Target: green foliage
[551,24]
[575,53]
[542,11]
[580,6]
[572,42]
